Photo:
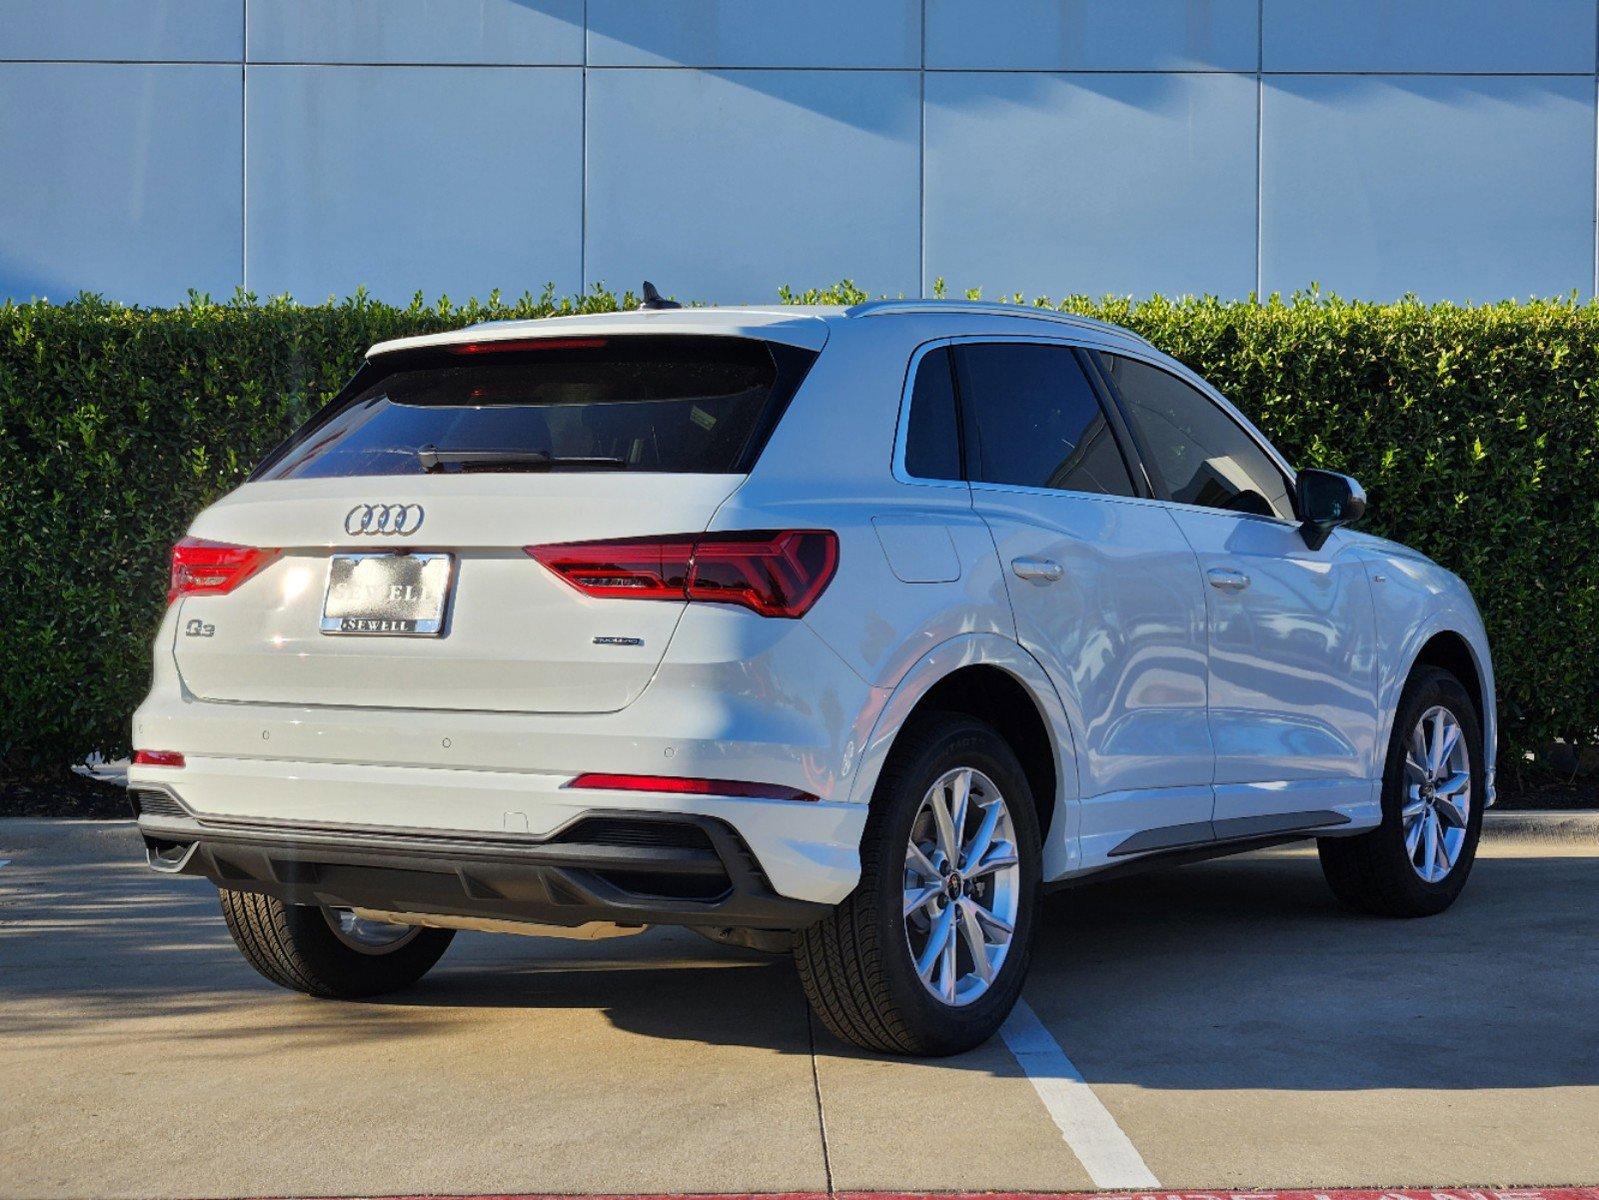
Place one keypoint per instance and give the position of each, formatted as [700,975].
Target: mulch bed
[69,796]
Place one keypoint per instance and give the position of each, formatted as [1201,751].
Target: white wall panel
[1061,184]
[1429,35]
[755,33]
[1093,35]
[724,186]
[1453,188]
[725,147]
[416,31]
[122,180]
[126,30]
[440,179]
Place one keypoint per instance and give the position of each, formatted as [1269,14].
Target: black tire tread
[840,959]
[291,946]
[258,926]
[1362,870]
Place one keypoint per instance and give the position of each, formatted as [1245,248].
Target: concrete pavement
[1239,1027]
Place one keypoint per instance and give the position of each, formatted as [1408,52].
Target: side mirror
[1326,501]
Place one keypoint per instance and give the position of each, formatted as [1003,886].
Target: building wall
[725,147]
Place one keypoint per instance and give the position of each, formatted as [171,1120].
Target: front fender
[993,650]
[1416,602]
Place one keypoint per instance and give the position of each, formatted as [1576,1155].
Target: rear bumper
[604,865]
[808,849]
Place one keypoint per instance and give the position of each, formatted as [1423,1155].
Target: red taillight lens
[779,574]
[202,568]
[157,758]
[647,569]
[686,787]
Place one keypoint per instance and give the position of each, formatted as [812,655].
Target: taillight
[157,758]
[775,574]
[681,786]
[643,569]
[509,345]
[202,568]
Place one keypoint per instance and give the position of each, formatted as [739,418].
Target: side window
[1036,419]
[932,443]
[1204,456]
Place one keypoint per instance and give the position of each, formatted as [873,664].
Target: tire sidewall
[955,742]
[355,973]
[1428,688]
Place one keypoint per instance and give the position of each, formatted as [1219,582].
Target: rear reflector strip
[157,758]
[677,785]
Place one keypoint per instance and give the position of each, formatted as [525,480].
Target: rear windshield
[688,405]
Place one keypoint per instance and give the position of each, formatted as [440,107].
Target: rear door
[1292,631]
[473,455]
[1105,590]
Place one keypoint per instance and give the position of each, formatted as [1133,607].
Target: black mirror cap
[1326,501]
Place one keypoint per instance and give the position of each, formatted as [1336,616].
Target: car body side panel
[828,466]
[1122,635]
[1415,600]
[1293,669]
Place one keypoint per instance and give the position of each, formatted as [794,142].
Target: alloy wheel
[365,936]
[1437,795]
[962,886]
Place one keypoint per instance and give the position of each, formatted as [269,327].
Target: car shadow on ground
[1236,974]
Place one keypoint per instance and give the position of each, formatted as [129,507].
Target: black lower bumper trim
[697,872]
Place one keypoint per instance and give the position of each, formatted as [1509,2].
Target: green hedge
[1475,431]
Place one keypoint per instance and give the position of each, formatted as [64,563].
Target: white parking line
[1110,1159]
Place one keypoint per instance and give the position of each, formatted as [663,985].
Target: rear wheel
[928,954]
[329,952]
[1415,863]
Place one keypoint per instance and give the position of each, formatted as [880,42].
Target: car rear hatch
[380,557]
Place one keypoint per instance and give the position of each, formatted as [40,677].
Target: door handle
[1227,579]
[1036,570]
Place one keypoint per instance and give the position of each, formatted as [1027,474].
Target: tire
[1376,872]
[857,964]
[296,947]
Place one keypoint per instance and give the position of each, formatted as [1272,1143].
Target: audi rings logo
[374,519]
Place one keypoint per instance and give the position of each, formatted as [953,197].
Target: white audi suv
[839,631]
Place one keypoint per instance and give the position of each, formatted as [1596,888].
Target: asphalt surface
[1239,1028]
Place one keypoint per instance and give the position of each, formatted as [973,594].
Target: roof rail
[986,308]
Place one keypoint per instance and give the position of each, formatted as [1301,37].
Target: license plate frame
[424,616]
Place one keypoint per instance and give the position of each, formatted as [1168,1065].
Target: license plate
[387,595]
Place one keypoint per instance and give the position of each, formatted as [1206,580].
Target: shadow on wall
[743,43]
[1240,974]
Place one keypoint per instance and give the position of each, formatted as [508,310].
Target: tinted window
[1201,452]
[932,444]
[1037,420]
[678,404]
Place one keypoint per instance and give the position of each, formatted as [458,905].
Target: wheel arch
[1460,649]
[1452,652]
[995,680]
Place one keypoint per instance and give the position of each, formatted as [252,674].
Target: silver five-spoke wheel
[1437,798]
[962,886]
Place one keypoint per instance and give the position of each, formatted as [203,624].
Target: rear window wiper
[433,459]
